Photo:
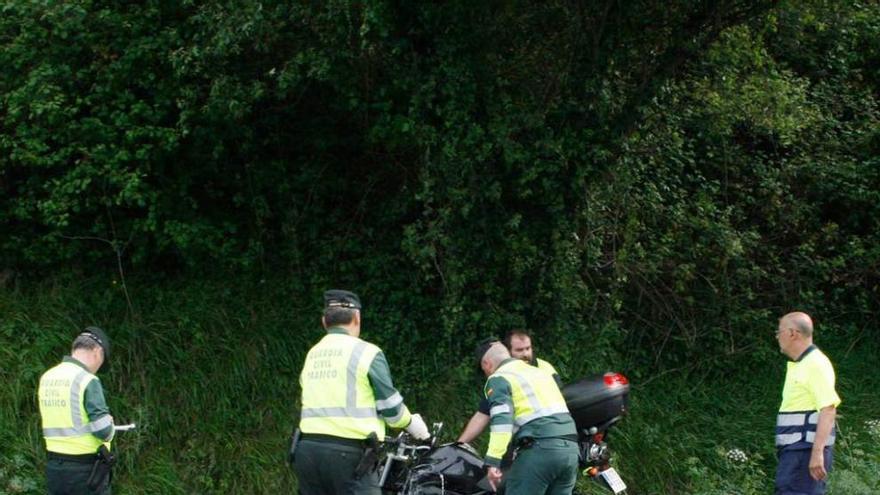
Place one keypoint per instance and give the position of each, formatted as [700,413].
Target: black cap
[341,299]
[482,347]
[100,337]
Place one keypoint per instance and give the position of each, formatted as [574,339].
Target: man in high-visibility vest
[527,409]
[519,343]
[76,420]
[348,398]
[805,423]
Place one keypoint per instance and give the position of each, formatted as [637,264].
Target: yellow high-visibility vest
[337,398]
[545,366]
[67,427]
[534,392]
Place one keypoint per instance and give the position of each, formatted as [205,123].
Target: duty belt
[349,442]
[526,442]
[80,458]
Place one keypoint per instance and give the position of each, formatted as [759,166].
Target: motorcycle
[411,468]
[596,403]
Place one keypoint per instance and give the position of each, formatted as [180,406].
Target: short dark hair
[84,342]
[516,332]
[338,315]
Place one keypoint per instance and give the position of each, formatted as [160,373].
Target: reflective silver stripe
[788,439]
[350,410]
[92,427]
[811,438]
[814,418]
[397,417]
[499,409]
[100,424]
[796,419]
[61,432]
[75,413]
[540,413]
[338,412]
[390,403]
[527,389]
[501,428]
[351,375]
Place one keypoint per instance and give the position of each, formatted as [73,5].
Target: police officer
[519,343]
[347,398]
[805,424]
[76,419]
[527,401]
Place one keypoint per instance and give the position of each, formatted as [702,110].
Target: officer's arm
[475,426]
[823,428]
[100,420]
[821,385]
[478,422]
[558,381]
[823,431]
[500,419]
[389,402]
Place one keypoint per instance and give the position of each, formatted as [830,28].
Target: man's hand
[494,475]
[817,465]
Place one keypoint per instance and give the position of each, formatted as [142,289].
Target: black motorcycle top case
[593,402]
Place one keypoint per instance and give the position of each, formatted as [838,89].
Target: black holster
[523,443]
[101,469]
[294,441]
[370,457]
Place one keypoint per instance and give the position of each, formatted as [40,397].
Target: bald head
[493,357]
[798,321]
[794,334]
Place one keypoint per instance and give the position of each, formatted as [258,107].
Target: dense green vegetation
[646,186]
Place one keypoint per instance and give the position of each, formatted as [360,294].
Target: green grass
[209,373]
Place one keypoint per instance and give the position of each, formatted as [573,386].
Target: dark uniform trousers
[548,467]
[327,468]
[793,472]
[71,478]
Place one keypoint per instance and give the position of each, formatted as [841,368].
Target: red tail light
[598,437]
[615,380]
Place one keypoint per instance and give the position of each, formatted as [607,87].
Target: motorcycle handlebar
[406,440]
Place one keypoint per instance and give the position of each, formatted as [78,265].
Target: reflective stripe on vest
[798,429]
[66,427]
[92,427]
[527,403]
[337,397]
[391,402]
